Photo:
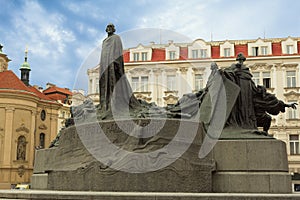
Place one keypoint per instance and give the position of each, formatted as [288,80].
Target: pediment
[22,128]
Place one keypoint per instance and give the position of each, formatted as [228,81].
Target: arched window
[21,148]
[42,140]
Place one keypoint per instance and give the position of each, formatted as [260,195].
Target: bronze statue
[254,102]
[112,74]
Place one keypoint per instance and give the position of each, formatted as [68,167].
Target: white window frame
[294,144]
[263,50]
[171,82]
[199,82]
[291,79]
[195,53]
[227,52]
[144,83]
[292,113]
[290,49]
[135,83]
[136,56]
[203,53]
[144,56]
[172,55]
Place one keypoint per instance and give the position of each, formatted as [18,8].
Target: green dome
[25,65]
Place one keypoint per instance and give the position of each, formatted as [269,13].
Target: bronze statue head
[110,29]
[240,58]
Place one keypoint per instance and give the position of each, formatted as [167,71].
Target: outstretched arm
[291,105]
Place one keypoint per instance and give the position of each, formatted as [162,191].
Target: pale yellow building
[162,73]
[28,120]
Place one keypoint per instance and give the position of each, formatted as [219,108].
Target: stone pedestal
[70,166]
[251,166]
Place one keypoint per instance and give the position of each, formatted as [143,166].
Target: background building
[29,119]
[162,73]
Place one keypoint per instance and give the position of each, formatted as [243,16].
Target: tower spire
[25,69]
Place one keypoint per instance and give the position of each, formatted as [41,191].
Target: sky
[64,37]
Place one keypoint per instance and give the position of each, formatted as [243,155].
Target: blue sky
[62,34]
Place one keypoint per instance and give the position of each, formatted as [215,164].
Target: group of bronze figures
[248,105]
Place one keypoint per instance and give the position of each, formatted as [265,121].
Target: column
[151,85]
[31,140]
[184,85]
[8,133]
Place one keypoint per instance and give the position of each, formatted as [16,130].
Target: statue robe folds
[113,83]
[243,113]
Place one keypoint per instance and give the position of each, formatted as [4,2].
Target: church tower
[25,70]
[3,60]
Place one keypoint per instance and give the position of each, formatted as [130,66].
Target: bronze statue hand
[292,105]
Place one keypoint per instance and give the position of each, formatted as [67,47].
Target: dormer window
[226,52]
[260,48]
[289,46]
[289,49]
[264,50]
[140,53]
[227,49]
[195,54]
[199,49]
[172,55]
[254,51]
[144,56]
[203,53]
[136,56]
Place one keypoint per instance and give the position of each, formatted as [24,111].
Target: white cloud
[85,9]
[42,34]
[222,19]
[48,40]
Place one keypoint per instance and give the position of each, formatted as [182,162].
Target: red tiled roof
[39,94]
[55,89]
[8,80]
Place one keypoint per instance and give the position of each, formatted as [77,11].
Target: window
[195,54]
[291,78]
[255,77]
[267,79]
[292,113]
[264,50]
[144,56]
[21,148]
[289,49]
[43,115]
[198,81]
[227,52]
[203,53]
[42,141]
[135,83]
[136,56]
[172,55]
[294,144]
[171,82]
[254,51]
[144,85]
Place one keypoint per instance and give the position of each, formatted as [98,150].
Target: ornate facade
[162,73]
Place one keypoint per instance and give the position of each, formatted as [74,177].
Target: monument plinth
[70,166]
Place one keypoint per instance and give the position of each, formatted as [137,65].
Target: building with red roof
[29,119]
